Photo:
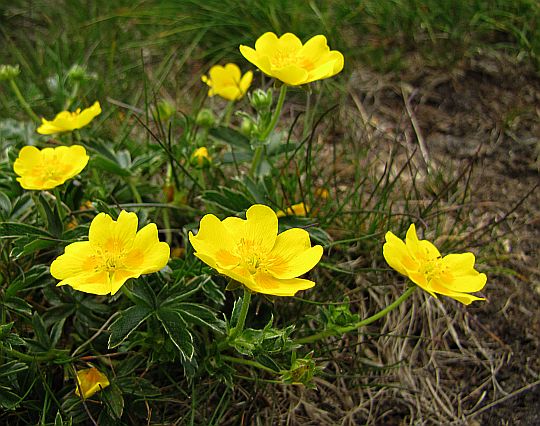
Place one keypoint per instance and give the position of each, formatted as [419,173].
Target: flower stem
[342,330]
[248,362]
[243,314]
[59,207]
[22,101]
[277,113]
[28,358]
[257,156]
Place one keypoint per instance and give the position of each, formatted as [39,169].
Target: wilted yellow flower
[299,209]
[452,275]
[200,157]
[227,81]
[49,167]
[114,252]
[251,251]
[90,381]
[66,121]
[286,59]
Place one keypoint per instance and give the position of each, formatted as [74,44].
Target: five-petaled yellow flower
[114,252]
[299,209]
[286,59]
[251,251]
[227,81]
[452,275]
[67,121]
[49,167]
[90,381]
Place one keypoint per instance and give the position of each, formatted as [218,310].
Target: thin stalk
[26,106]
[248,362]
[28,358]
[257,156]
[342,330]
[243,314]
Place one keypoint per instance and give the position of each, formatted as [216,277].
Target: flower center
[252,255]
[283,58]
[110,257]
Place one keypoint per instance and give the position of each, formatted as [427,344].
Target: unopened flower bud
[247,127]
[9,72]
[205,118]
[261,100]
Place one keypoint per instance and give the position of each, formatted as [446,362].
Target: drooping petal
[267,284]
[95,283]
[87,115]
[90,381]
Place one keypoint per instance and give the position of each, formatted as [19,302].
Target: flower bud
[247,127]
[261,100]
[78,73]
[205,118]
[200,158]
[166,109]
[9,72]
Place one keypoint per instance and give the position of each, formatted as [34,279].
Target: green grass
[137,55]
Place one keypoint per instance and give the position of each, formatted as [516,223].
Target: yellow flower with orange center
[114,253]
[49,167]
[452,275]
[90,381]
[288,60]
[251,252]
[227,81]
[67,121]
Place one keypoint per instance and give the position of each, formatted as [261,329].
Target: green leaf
[112,396]
[5,206]
[54,222]
[14,230]
[8,399]
[28,245]
[18,305]
[144,294]
[129,321]
[108,165]
[12,368]
[27,279]
[194,313]
[227,199]
[230,137]
[175,327]
[40,331]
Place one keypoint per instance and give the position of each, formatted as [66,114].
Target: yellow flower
[114,252]
[251,251]
[200,157]
[299,209]
[286,59]
[90,381]
[452,275]
[227,81]
[66,121]
[49,167]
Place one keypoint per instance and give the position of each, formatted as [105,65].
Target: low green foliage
[186,333]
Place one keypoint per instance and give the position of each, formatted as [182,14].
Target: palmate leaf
[129,321]
[176,329]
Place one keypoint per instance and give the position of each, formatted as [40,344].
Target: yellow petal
[292,75]
[90,381]
[259,229]
[266,44]
[147,253]
[288,42]
[212,239]
[78,258]
[113,236]
[87,115]
[314,48]
[95,283]
[396,254]
[120,276]
[245,82]
[267,284]
[293,255]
